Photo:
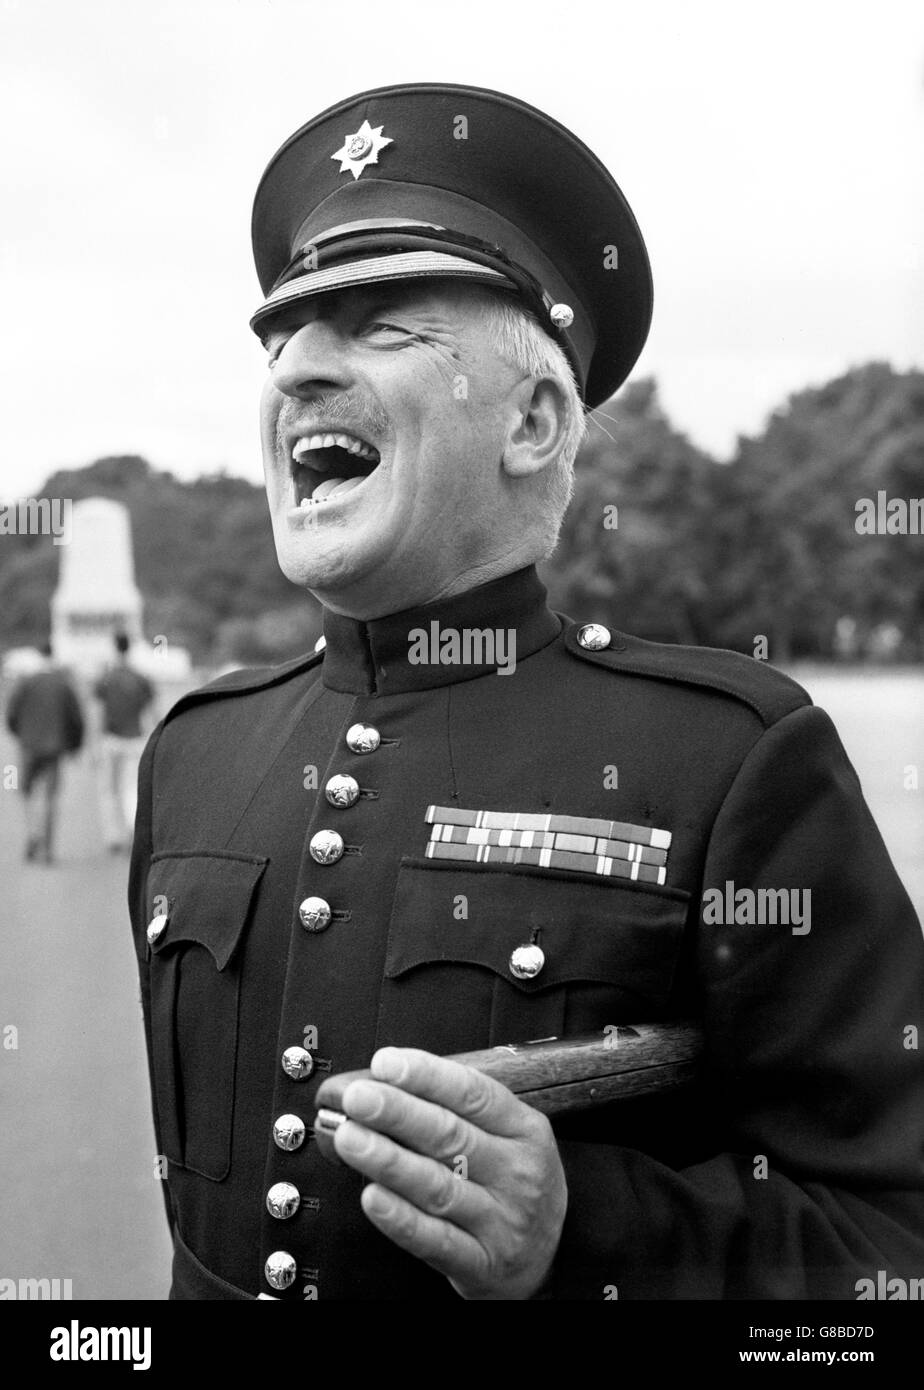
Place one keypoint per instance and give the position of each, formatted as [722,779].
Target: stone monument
[97,596]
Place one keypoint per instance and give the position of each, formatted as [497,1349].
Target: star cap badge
[361,149]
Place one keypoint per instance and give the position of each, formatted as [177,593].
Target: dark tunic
[792,1169]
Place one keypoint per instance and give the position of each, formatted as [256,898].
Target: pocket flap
[208,899]
[604,932]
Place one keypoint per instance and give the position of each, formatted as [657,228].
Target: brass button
[562,315]
[314,914]
[342,791]
[288,1132]
[297,1063]
[594,637]
[326,847]
[280,1269]
[156,927]
[362,738]
[526,962]
[282,1200]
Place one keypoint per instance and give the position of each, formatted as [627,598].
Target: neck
[371,600]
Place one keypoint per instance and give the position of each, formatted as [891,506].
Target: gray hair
[520,341]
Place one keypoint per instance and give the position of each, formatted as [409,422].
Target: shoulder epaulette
[244,681]
[769,693]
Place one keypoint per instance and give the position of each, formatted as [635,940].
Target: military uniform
[363,848]
[277,953]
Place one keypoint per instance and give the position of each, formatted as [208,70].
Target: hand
[464,1176]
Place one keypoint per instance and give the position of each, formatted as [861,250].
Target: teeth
[310,442]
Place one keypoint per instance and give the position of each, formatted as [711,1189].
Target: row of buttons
[289,1131]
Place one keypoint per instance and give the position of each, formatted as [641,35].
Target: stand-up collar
[482,631]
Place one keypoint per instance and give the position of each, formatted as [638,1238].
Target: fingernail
[389,1065]
[362,1101]
[380,1201]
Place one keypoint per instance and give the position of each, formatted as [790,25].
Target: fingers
[440,1244]
[463,1175]
[418,1124]
[460,1089]
[431,1186]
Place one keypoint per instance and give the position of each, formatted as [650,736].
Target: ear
[537,423]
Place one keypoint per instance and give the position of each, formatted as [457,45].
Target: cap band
[392,266]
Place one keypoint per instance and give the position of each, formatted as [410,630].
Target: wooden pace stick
[557,1075]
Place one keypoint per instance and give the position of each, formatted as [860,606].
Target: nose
[313,358]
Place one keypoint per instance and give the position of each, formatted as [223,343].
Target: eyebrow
[391,298]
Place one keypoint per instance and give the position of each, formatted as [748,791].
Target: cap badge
[361,148]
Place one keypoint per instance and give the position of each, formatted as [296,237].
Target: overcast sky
[773,155]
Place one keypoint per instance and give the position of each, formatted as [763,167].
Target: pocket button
[526,962]
[156,927]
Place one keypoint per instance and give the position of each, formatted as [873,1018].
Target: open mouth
[330,465]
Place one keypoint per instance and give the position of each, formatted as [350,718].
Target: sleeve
[814,1074]
[142,848]
[13,708]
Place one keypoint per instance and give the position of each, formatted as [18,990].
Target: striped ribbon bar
[545,839]
[578,843]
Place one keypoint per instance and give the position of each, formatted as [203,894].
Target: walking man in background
[44,714]
[124,694]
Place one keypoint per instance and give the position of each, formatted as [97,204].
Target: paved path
[78,1197]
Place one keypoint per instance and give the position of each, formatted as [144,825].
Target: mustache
[356,416]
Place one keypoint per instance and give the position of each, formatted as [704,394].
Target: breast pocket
[195,982]
[609,955]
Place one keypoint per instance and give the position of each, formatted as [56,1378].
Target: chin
[311,564]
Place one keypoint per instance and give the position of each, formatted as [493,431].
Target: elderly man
[411,844]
